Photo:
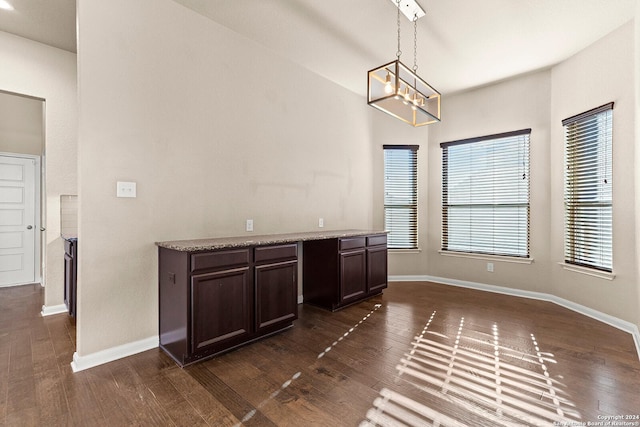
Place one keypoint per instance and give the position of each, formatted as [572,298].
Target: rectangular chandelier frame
[396,90]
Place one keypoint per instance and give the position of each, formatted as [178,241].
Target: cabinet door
[377,268]
[221,304]
[276,294]
[353,275]
[68,283]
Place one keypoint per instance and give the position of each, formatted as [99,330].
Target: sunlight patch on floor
[473,378]
[297,375]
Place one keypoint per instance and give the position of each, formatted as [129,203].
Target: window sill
[511,259]
[588,271]
[405,251]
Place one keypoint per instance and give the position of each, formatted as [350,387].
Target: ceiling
[461,44]
[51,22]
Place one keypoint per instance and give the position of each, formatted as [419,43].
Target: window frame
[396,242]
[446,207]
[579,248]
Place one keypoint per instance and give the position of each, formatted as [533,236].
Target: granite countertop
[259,240]
[69,237]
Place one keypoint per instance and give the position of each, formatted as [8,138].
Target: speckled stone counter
[259,240]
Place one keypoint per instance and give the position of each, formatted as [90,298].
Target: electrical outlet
[249,225]
[320,222]
[125,189]
[490,267]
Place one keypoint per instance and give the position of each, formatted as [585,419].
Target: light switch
[125,189]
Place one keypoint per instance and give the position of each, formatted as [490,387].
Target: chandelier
[397,90]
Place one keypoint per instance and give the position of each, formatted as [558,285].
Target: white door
[17,220]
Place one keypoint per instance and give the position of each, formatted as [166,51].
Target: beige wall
[511,105]
[21,124]
[599,74]
[602,73]
[44,72]
[637,155]
[214,129]
[387,130]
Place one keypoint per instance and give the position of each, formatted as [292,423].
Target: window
[485,194]
[401,196]
[588,189]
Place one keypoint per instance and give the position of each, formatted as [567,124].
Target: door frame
[39,247]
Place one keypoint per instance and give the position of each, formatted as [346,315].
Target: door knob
[29,227]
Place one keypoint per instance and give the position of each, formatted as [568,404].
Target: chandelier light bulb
[399,92]
[406,94]
[415,101]
[388,86]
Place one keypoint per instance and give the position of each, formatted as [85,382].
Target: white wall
[637,153]
[391,131]
[40,71]
[508,106]
[603,72]
[214,129]
[21,124]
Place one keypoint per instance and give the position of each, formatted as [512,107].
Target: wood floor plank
[232,401]
[115,398]
[25,418]
[211,410]
[51,401]
[84,408]
[428,354]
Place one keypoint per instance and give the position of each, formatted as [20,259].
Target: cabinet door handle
[29,227]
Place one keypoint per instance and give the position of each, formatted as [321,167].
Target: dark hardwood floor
[420,354]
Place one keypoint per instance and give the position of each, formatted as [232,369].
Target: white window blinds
[588,189]
[485,194]
[401,196]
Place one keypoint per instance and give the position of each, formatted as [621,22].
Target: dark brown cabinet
[376,263]
[353,271]
[342,271]
[213,301]
[276,285]
[70,275]
[218,294]
[220,309]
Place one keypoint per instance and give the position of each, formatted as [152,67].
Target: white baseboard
[80,363]
[11,285]
[623,325]
[53,309]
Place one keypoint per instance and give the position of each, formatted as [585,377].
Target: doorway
[21,201]
[19,224]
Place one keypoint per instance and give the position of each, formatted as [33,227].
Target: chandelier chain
[399,52]
[415,43]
